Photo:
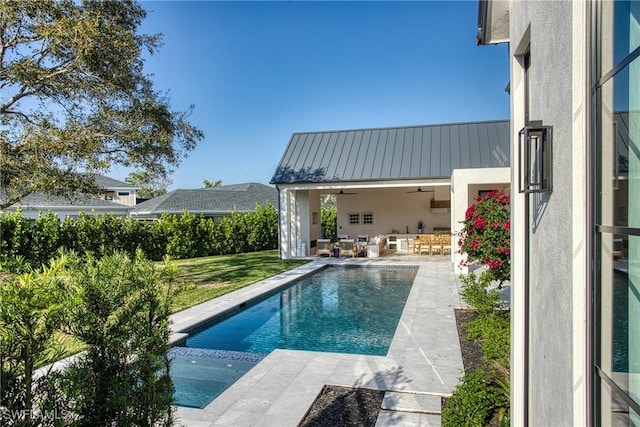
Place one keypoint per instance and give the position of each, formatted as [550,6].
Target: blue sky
[259,71]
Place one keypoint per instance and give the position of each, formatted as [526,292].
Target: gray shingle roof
[80,201]
[214,200]
[397,153]
[110,183]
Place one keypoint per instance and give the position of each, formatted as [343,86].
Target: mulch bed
[359,407]
[344,406]
[471,351]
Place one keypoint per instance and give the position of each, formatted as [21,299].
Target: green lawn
[202,279]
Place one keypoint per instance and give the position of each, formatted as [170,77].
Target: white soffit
[497,30]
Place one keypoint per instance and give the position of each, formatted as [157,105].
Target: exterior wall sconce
[534,163]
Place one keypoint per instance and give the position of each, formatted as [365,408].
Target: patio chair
[445,243]
[343,236]
[415,244]
[442,243]
[363,238]
[348,247]
[424,244]
[362,242]
[323,247]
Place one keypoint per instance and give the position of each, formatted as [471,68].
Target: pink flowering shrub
[485,236]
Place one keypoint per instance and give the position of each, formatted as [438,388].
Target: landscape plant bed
[471,350]
[472,357]
[338,406]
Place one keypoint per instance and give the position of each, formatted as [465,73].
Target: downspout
[590,215]
[527,276]
[527,253]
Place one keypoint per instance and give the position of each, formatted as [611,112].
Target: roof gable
[430,151]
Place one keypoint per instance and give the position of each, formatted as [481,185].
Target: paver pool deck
[423,363]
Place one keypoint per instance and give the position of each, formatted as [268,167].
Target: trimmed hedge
[25,242]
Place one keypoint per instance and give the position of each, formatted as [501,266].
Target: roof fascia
[334,186]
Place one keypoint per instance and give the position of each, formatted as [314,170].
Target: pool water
[200,375]
[338,309]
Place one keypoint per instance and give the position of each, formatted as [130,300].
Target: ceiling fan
[420,190]
[342,193]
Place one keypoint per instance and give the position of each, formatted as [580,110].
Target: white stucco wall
[394,210]
[552,388]
[465,185]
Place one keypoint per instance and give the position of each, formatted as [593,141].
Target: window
[354,218]
[123,193]
[616,214]
[367,218]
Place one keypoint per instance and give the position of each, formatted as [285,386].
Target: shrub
[122,316]
[491,327]
[15,238]
[474,401]
[329,221]
[33,308]
[118,307]
[262,227]
[46,234]
[181,236]
[476,294]
[486,239]
[485,236]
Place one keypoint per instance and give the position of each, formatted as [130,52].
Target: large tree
[148,185]
[210,184]
[74,98]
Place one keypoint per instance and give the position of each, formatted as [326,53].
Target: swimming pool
[337,309]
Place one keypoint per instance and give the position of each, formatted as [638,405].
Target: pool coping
[423,359]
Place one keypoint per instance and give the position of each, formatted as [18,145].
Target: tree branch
[19,113]
[22,92]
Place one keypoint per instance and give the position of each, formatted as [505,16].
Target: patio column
[294,223]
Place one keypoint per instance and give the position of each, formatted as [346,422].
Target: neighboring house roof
[220,200]
[397,153]
[113,184]
[80,202]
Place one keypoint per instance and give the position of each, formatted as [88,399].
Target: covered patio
[388,181]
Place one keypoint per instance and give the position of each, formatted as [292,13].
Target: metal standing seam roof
[394,153]
[213,200]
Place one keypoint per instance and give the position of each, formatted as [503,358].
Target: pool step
[201,375]
[409,409]
[216,354]
[407,419]
[412,402]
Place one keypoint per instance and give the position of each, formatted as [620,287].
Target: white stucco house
[386,180]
